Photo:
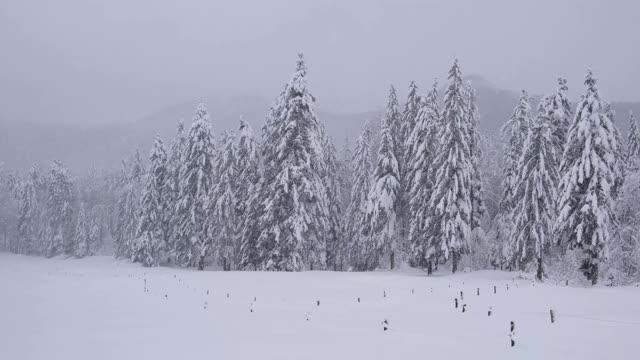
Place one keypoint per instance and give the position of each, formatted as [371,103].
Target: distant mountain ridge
[25,143]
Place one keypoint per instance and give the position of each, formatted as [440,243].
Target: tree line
[422,186]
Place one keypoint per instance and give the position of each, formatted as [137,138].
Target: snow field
[98,308]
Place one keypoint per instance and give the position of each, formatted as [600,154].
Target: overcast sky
[87,61]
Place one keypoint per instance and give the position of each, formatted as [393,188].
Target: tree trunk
[392,259]
[540,272]
[454,261]
[201,263]
[594,274]
[429,267]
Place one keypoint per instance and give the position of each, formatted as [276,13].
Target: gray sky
[86,61]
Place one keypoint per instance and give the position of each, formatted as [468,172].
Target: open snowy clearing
[98,308]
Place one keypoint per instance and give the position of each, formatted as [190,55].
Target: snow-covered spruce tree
[226,224]
[633,144]
[472,118]
[346,174]
[153,217]
[127,206]
[558,110]
[409,118]
[81,234]
[192,244]
[247,200]
[295,216]
[27,215]
[60,198]
[535,195]
[451,196]
[174,168]
[584,197]
[625,249]
[381,218]
[403,152]
[333,187]
[420,178]
[362,168]
[620,153]
[514,133]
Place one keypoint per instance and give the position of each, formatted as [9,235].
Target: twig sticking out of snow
[512,333]
[552,314]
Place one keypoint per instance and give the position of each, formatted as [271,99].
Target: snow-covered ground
[97,308]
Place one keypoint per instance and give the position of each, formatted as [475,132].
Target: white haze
[98,62]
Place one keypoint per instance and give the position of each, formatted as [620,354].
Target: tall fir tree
[81,248]
[451,197]
[346,173]
[408,124]
[193,246]
[420,180]
[226,225]
[558,111]
[333,187]
[472,117]
[514,133]
[362,173]
[382,222]
[589,172]
[27,215]
[60,199]
[295,214]
[535,195]
[174,169]
[153,217]
[247,199]
[633,144]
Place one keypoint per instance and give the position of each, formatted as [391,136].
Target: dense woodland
[556,193]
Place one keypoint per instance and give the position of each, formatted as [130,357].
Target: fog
[97,62]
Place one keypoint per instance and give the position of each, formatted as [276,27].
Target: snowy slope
[97,308]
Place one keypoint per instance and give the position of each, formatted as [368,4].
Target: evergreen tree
[174,169]
[247,199]
[633,143]
[153,222]
[346,173]
[226,227]
[420,179]
[558,110]
[514,132]
[472,117]
[383,201]
[589,171]
[451,197]
[60,197]
[536,193]
[196,183]
[408,125]
[361,164]
[81,234]
[333,187]
[27,216]
[295,213]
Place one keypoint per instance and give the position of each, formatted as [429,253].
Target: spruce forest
[555,194]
